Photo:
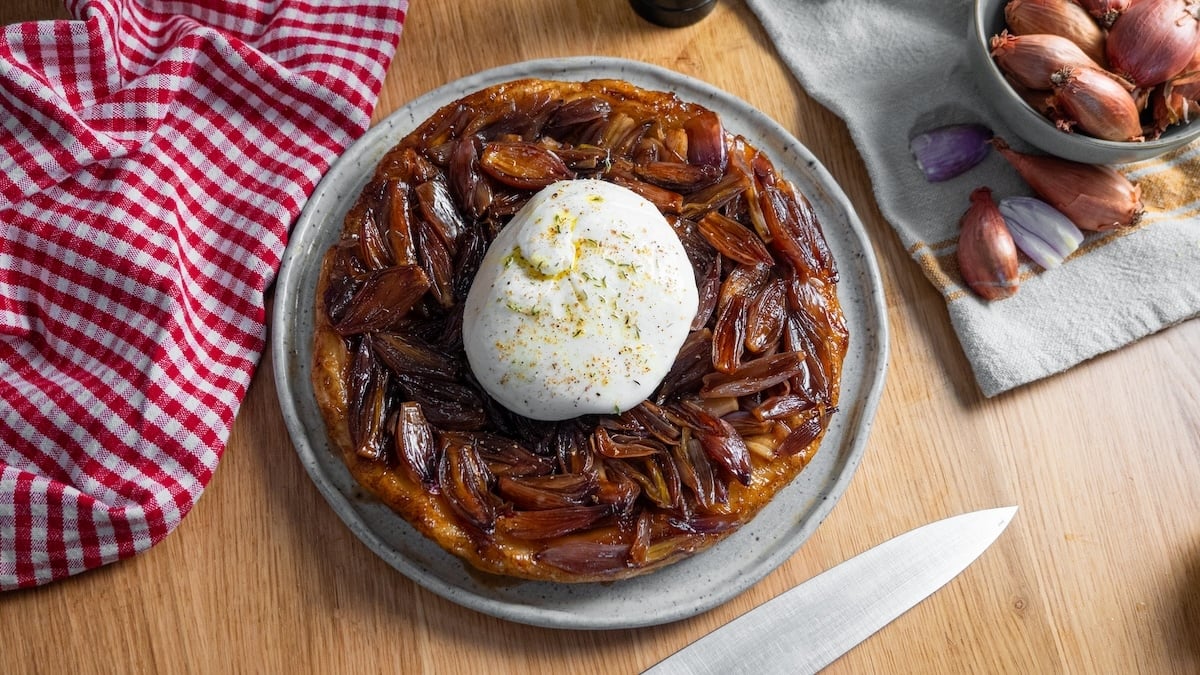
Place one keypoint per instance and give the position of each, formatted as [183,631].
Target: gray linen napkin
[894,68]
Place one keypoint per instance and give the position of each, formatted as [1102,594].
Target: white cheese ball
[581,303]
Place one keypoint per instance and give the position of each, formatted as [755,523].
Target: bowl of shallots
[1094,81]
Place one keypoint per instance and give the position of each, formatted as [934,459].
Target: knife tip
[1005,513]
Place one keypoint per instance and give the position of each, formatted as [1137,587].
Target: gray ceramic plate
[681,590]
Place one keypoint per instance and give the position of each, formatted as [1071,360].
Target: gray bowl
[988,20]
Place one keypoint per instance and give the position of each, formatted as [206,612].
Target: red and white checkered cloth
[153,154]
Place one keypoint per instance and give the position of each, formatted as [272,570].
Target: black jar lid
[673,13]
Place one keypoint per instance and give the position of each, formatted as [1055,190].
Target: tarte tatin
[597,497]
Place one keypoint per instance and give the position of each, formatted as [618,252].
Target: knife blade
[808,627]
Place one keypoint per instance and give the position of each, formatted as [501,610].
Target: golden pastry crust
[600,497]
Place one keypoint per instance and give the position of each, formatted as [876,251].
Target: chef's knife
[806,628]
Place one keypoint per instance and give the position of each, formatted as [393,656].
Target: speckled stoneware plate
[676,592]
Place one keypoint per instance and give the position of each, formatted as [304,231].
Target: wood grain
[1099,572]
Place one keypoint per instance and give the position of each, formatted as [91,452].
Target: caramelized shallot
[400,232]
[706,140]
[369,384]
[527,166]
[405,356]
[796,232]
[754,376]
[764,317]
[780,407]
[585,557]
[414,445]
[550,523]
[385,296]
[801,438]
[465,181]
[373,248]
[734,240]
[677,176]
[463,479]
[435,259]
[438,209]
[729,335]
[720,442]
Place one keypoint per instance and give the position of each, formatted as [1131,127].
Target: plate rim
[600,67]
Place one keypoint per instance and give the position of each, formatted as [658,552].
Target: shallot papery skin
[1038,99]
[987,256]
[1042,232]
[1177,102]
[1095,102]
[1031,60]
[1154,40]
[1105,11]
[949,151]
[1094,196]
[1057,17]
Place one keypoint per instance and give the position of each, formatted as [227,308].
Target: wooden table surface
[1098,573]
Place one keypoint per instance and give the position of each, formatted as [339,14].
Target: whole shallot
[1057,17]
[987,256]
[1031,60]
[1154,40]
[1095,197]
[1091,99]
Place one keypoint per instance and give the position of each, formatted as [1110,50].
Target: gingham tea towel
[153,154]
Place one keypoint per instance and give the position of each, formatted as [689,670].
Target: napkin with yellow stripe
[894,69]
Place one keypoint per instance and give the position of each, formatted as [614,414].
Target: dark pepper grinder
[673,13]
